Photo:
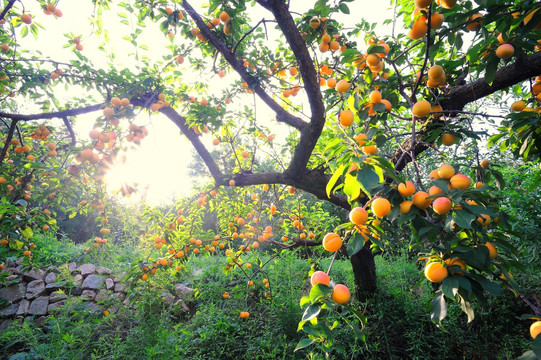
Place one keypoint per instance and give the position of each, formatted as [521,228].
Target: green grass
[398,325]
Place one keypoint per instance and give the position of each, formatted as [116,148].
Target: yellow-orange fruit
[446,171]
[375,97]
[358,216]
[442,205]
[505,51]
[346,118]
[493,252]
[341,294]
[460,181]
[484,219]
[474,24]
[436,20]
[448,139]
[405,207]
[434,174]
[421,200]
[406,189]
[320,277]
[435,72]
[484,163]
[434,190]
[421,108]
[332,242]
[361,139]
[369,149]
[535,329]
[518,105]
[315,22]
[448,4]
[342,86]
[387,103]
[435,272]
[421,4]
[456,262]
[381,207]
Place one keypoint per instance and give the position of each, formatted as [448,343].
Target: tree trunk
[364,272]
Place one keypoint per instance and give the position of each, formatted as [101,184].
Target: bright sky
[160,164]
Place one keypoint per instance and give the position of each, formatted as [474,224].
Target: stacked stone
[37,293]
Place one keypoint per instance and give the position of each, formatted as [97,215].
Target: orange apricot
[332,242]
[406,189]
[421,200]
[358,216]
[442,205]
[341,294]
[435,272]
[380,207]
[320,277]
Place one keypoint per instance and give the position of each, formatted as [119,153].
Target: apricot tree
[363,111]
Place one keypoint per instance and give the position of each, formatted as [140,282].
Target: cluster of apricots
[340,293]
[520,105]
[161,103]
[50,9]
[213,24]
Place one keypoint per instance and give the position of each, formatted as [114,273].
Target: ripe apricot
[435,272]
[442,205]
[315,22]
[446,171]
[434,175]
[418,29]
[25,18]
[421,4]
[406,189]
[405,207]
[505,51]
[493,252]
[434,190]
[332,242]
[381,207]
[484,219]
[460,181]
[346,118]
[484,163]
[369,149]
[387,103]
[436,20]
[108,112]
[372,60]
[341,294]
[342,86]
[535,329]
[421,108]
[375,97]
[456,262]
[358,216]
[224,17]
[474,24]
[448,139]
[361,139]
[421,200]
[448,4]
[320,277]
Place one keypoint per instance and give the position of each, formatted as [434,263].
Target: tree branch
[281,114]
[55,114]
[309,136]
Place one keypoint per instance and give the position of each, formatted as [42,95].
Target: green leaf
[368,179]
[463,218]
[467,309]
[318,291]
[16,245]
[27,232]
[355,244]
[352,187]
[343,8]
[438,308]
[304,343]
[334,178]
[450,286]
[311,312]
[492,66]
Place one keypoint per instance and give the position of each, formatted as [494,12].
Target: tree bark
[364,272]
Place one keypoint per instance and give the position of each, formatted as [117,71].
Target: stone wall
[39,292]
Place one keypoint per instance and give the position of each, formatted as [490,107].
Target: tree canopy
[369,118]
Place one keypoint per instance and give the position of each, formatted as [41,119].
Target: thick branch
[281,114]
[458,97]
[520,70]
[311,181]
[11,130]
[309,136]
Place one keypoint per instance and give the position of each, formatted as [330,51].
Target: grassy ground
[398,325]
